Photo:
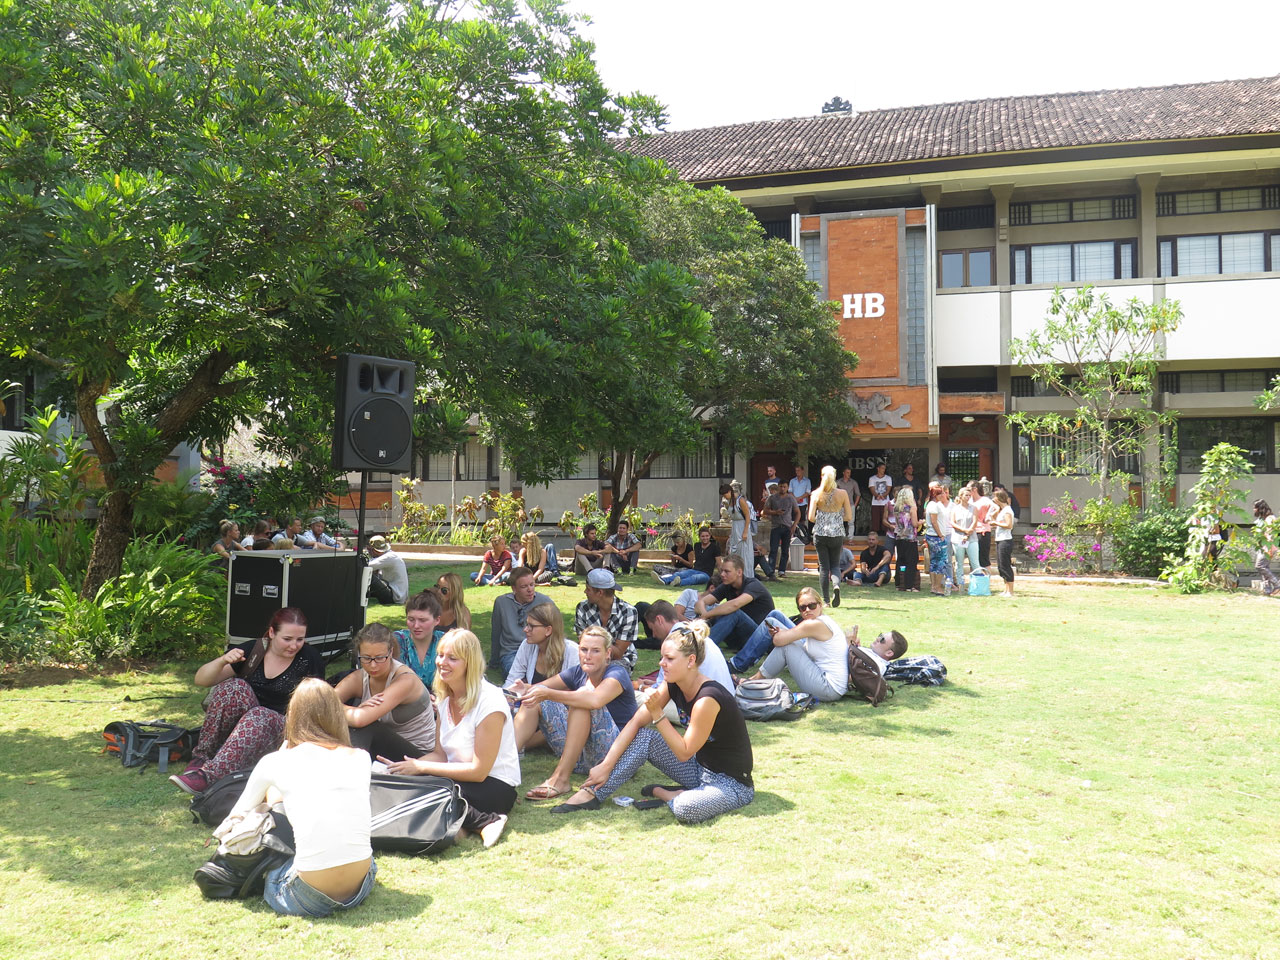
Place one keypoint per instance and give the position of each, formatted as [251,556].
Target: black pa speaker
[373,414]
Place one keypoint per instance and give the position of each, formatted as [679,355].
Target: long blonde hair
[827,488]
[532,544]
[551,656]
[316,716]
[467,646]
[452,600]
[691,639]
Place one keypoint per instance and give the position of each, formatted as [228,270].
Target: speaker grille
[380,431]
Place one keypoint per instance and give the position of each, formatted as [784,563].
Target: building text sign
[858,306]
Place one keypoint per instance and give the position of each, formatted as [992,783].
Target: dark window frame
[1130,463]
[1167,204]
[1170,380]
[1124,206]
[1268,266]
[1117,245]
[977,217]
[965,252]
[1270,464]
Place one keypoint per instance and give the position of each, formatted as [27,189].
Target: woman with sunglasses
[394,717]
[814,651]
[453,611]
[544,652]
[577,713]
[711,761]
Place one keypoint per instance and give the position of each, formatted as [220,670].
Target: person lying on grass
[711,761]
[577,713]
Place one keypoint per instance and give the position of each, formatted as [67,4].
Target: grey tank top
[414,720]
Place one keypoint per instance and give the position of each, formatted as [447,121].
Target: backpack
[865,679]
[152,741]
[232,876]
[926,671]
[414,815]
[213,805]
[770,700]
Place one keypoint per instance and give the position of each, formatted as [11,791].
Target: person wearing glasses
[544,652]
[710,761]
[814,651]
[453,609]
[394,717]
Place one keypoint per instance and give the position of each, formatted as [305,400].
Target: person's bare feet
[582,796]
[663,794]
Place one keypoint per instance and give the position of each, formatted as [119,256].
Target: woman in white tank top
[814,651]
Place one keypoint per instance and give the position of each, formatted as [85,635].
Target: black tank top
[728,749]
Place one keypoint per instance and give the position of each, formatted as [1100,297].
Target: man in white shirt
[881,485]
[315,538]
[390,580]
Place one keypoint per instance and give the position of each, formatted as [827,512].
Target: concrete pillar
[1148,264]
[1001,192]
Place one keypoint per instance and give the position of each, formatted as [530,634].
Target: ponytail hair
[691,639]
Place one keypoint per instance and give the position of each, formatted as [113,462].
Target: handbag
[263,841]
[979,585]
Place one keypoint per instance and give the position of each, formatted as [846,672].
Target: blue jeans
[688,578]
[733,629]
[759,644]
[286,892]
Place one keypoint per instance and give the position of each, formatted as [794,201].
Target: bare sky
[715,62]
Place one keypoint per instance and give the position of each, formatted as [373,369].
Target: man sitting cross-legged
[741,602]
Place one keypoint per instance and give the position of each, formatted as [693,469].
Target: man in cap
[315,538]
[390,580]
[603,607]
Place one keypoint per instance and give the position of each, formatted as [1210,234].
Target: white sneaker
[835,591]
[490,832]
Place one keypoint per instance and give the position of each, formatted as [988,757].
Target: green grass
[1096,779]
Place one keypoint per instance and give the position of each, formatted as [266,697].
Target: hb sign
[373,421]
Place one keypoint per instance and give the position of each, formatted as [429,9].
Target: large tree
[776,371]
[201,207]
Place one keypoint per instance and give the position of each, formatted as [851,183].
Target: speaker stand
[362,535]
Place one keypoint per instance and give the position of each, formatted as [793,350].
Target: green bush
[1143,547]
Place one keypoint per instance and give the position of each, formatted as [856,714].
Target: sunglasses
[806,607]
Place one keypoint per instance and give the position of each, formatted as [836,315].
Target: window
[475,462]
[967,218]
[1041,456]
[1256,436]
[1217,201]
[1219,253]
[966,268]
[1216,381]
[811,250]
[697,465]
[777,229]
[1073,262]
[1024,386]
[1068,211]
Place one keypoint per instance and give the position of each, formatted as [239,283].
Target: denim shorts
[286,892]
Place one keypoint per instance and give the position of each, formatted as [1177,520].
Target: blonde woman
[814,651]
[475,739]
[544,652]
[905,524]
[453,609]
[541,560]
[228,540]
[829,511]
[740,514]
[324,784]
[964,536]
[577,713]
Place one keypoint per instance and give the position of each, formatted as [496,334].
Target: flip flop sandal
[544,792]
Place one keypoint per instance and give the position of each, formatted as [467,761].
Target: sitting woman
[453,609]
[244,713]
[541,560]
[814,651]
[544,651]
[261,531]
[679,565]
[228,540]
[711,762]
[395,717]
[324,786]
[417,641]
[577,714]
[475,743]
[495,565]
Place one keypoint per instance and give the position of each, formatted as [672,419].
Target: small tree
[1104,361]
[1224,469]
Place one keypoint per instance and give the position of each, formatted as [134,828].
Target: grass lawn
[1096,779]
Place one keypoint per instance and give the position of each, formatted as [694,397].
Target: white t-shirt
[392,568]
[688,597]
[936,511]
[880,487]
[526,662]
[831,655]
[714,666]
[326,798]
[961,516]
[880,661]
[1003,533]
[459,742]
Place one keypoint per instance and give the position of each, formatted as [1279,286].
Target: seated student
[622,550]
[604,608]
[875,563]
[390,580]
[507,620]
[889,645]
[544,652]
[290,533]
[315,538]
[541,560]
[394,717]
[680,561]
[683,605]
[324,785]
[261,531]
[588,552]
[417,641]
[711,762]
[454,611]
[661,617]
[228,541]
[814,651]
[706,558]
[846,566]
[495,565]
[742,603]
[475,743]
[761,562]
[576,713]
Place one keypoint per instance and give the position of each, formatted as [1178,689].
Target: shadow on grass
[539,820]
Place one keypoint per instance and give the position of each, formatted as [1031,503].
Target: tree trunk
[626,468]
[112,536]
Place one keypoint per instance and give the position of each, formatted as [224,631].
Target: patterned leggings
[236,732]
[553,721]
[706,794]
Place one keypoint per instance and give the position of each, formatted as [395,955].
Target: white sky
[715,62]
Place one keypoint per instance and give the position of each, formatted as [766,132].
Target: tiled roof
[971,127]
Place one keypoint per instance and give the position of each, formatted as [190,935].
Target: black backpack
[152,741]
[231,876]
[213,805]
[865,679]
